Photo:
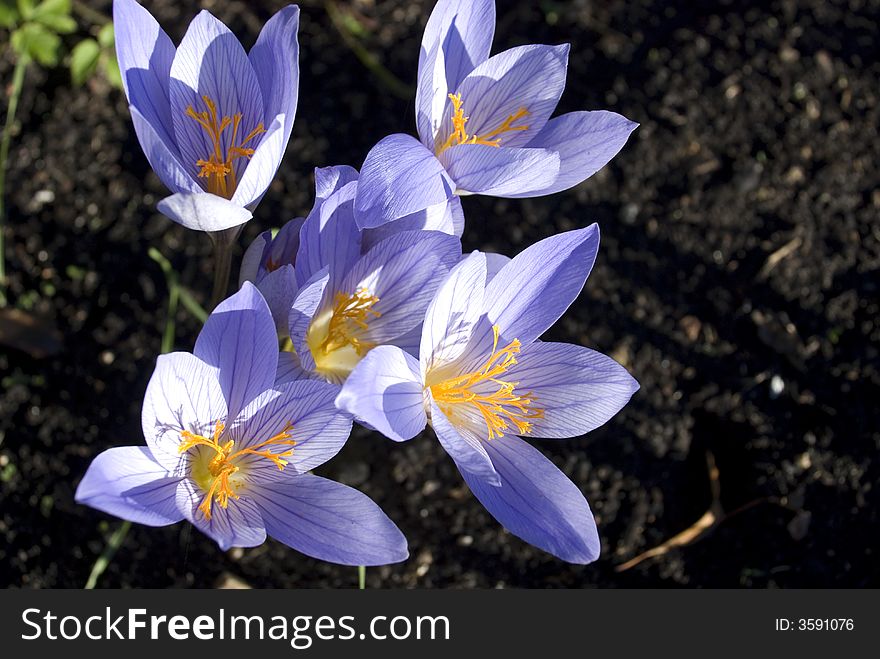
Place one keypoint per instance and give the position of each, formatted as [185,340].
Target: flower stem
[222,268]
[17,84]
[113,544]
[362,577]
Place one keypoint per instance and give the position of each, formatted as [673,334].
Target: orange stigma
[219,167]
[492,138]
[502,409]
[217,474]
[350,316]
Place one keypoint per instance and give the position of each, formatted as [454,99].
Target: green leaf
[36,41]
[57,23]
[106,37]
[53,7]
[111,70]
[84,60]
[55,15]
[25,8]
[8,13]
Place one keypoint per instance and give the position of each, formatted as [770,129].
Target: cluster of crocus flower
[380,317]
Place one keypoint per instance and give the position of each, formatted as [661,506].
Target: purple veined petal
[494,263]
[163,156]
[585,141]
[329,521]
[578,389]
[530,78]
[445,217]
[305,308]
[238,525]
[537,502]
[432,92]
[399,177]
[531,292]
[500,171]
[304,410]
[463,444]
[275,60]
[330,179]
[184,393]
[210,62]
[457,38]
[279,290]
[127,482]
[285,245]
[385,390]
[253,261]
[145,54]
[329,238]
[239,339]
[450,317]
[403,272]
[410,341]
[257,174]
[289,369]
[203,211]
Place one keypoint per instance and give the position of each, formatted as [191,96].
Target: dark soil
[758,133]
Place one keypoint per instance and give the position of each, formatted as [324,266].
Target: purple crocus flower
[231,453]
[330,240]
[484,123]
[213,120]
[483,379]
[357,302]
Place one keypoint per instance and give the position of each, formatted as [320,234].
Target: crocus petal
[329,237]
[238,525]
[263,165]
[537,502]
[163,156]
[452,313]
[128,483]
[385,390]
[399,177]
[527,77]
[500,171]
[578,389]
[458,37]
[306,410]
[239,338]
[329,521]
[301,314]
[289,369]
[494,263]
[445,217]
[275,60]
[464,446]
[330,179]
[279,289]
[145,53]
[531,292]
[203,211]
[210,62]
[254,258]
[585,141]
[183,394]
[403,271]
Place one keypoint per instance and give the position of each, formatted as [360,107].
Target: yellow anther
[351,314]
[502,409]
[492,138]
[215,476]
[218,168]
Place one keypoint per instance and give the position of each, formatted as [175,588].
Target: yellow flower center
[502,409]
[335,337]
[492,138]
[219,167]
[215,471]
